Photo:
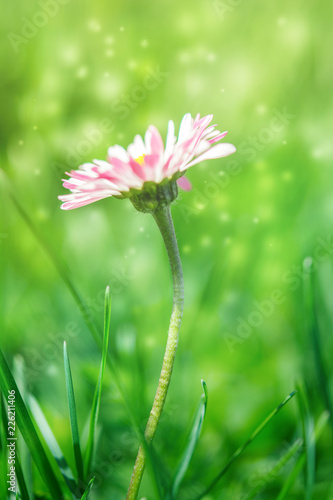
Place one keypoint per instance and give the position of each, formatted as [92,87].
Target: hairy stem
[164,222]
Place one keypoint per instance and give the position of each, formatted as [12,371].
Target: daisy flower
[147,165]
[149,173]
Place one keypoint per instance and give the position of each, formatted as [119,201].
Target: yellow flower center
[140,159]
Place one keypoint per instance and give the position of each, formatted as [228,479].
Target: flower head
[147,165]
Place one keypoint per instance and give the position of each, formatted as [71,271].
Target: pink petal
[118,165]
[82,175]
[196,119]
[217,138]
[184,183]
[137,169]
[204,121]
[151,167]
[151,161]
[70,185]
[154,143]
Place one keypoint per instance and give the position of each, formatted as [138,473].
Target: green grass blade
[20,479]
[51,442]
[309,442]
[292,477]
[242,448]
[98,391]
[19,372]
[88,489]
[315,335]
[275,471]
[18,468]
[321,423]
[191,444]
[29,434]
[73,417]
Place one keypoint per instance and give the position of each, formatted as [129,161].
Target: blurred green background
[80,76]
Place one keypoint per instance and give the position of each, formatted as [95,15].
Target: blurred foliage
[80,76]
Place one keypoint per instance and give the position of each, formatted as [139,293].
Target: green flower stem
[163,219]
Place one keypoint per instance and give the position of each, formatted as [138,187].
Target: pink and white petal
[210,132]
[118,152]
[199,135]
[217,137]
[70,205]
[74,179]
[152,167]
[137,148]
[153,142]
[137,170]
[90,191]
[166,170]
[71,184]
[103,166]
[82,176]
[86,167]
[173,163]
[117,165]
[218,151]
[186,150]
[99,185]
[204,122]
[182,154]
[170,140]
[202,147]
[80,200]
[76,182]
[124,172]
[186,127]
[184,183]
[139,143]
[196,120]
